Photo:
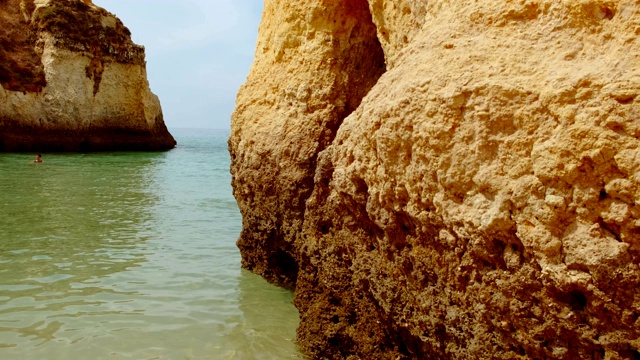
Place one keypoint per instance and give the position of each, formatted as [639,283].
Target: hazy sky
[198,53]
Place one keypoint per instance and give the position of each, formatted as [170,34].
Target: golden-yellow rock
[479,200]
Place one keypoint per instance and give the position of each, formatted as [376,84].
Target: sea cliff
[446,180]
[71,79]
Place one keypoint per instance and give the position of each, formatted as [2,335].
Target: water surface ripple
[132,256]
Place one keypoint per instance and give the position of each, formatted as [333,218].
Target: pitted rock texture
[72,79]
[314,62]
[482,201]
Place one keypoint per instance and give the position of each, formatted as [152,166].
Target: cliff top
[75,26]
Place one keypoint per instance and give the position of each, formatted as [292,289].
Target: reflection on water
[132,255]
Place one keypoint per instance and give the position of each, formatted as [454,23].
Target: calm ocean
[132,256]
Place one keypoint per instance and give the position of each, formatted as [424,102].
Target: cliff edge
[71,79]
[446,180]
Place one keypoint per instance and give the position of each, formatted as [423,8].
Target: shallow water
[132,256]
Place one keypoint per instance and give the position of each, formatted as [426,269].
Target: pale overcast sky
[198,53]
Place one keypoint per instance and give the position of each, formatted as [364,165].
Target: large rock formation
[72,79]
[313,65]
[480,199]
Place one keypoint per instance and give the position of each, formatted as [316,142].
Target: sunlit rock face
[72,79]
[314,63]
[480,199]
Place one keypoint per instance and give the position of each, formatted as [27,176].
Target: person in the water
[38,159]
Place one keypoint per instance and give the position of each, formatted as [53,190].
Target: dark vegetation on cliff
[20,66]
[74,25]
[79,27]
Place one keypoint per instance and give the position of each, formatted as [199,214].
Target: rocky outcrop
[482,199]
[285,117]
[72,79]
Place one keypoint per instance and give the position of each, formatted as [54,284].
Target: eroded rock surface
[314,63]
[72,79]
[481,201]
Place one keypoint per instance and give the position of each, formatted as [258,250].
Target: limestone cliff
[282,122]
[72,79]
[480,199]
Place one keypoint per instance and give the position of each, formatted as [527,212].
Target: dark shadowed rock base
[25,139]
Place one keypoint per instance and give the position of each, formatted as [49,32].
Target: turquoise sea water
[132,256]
